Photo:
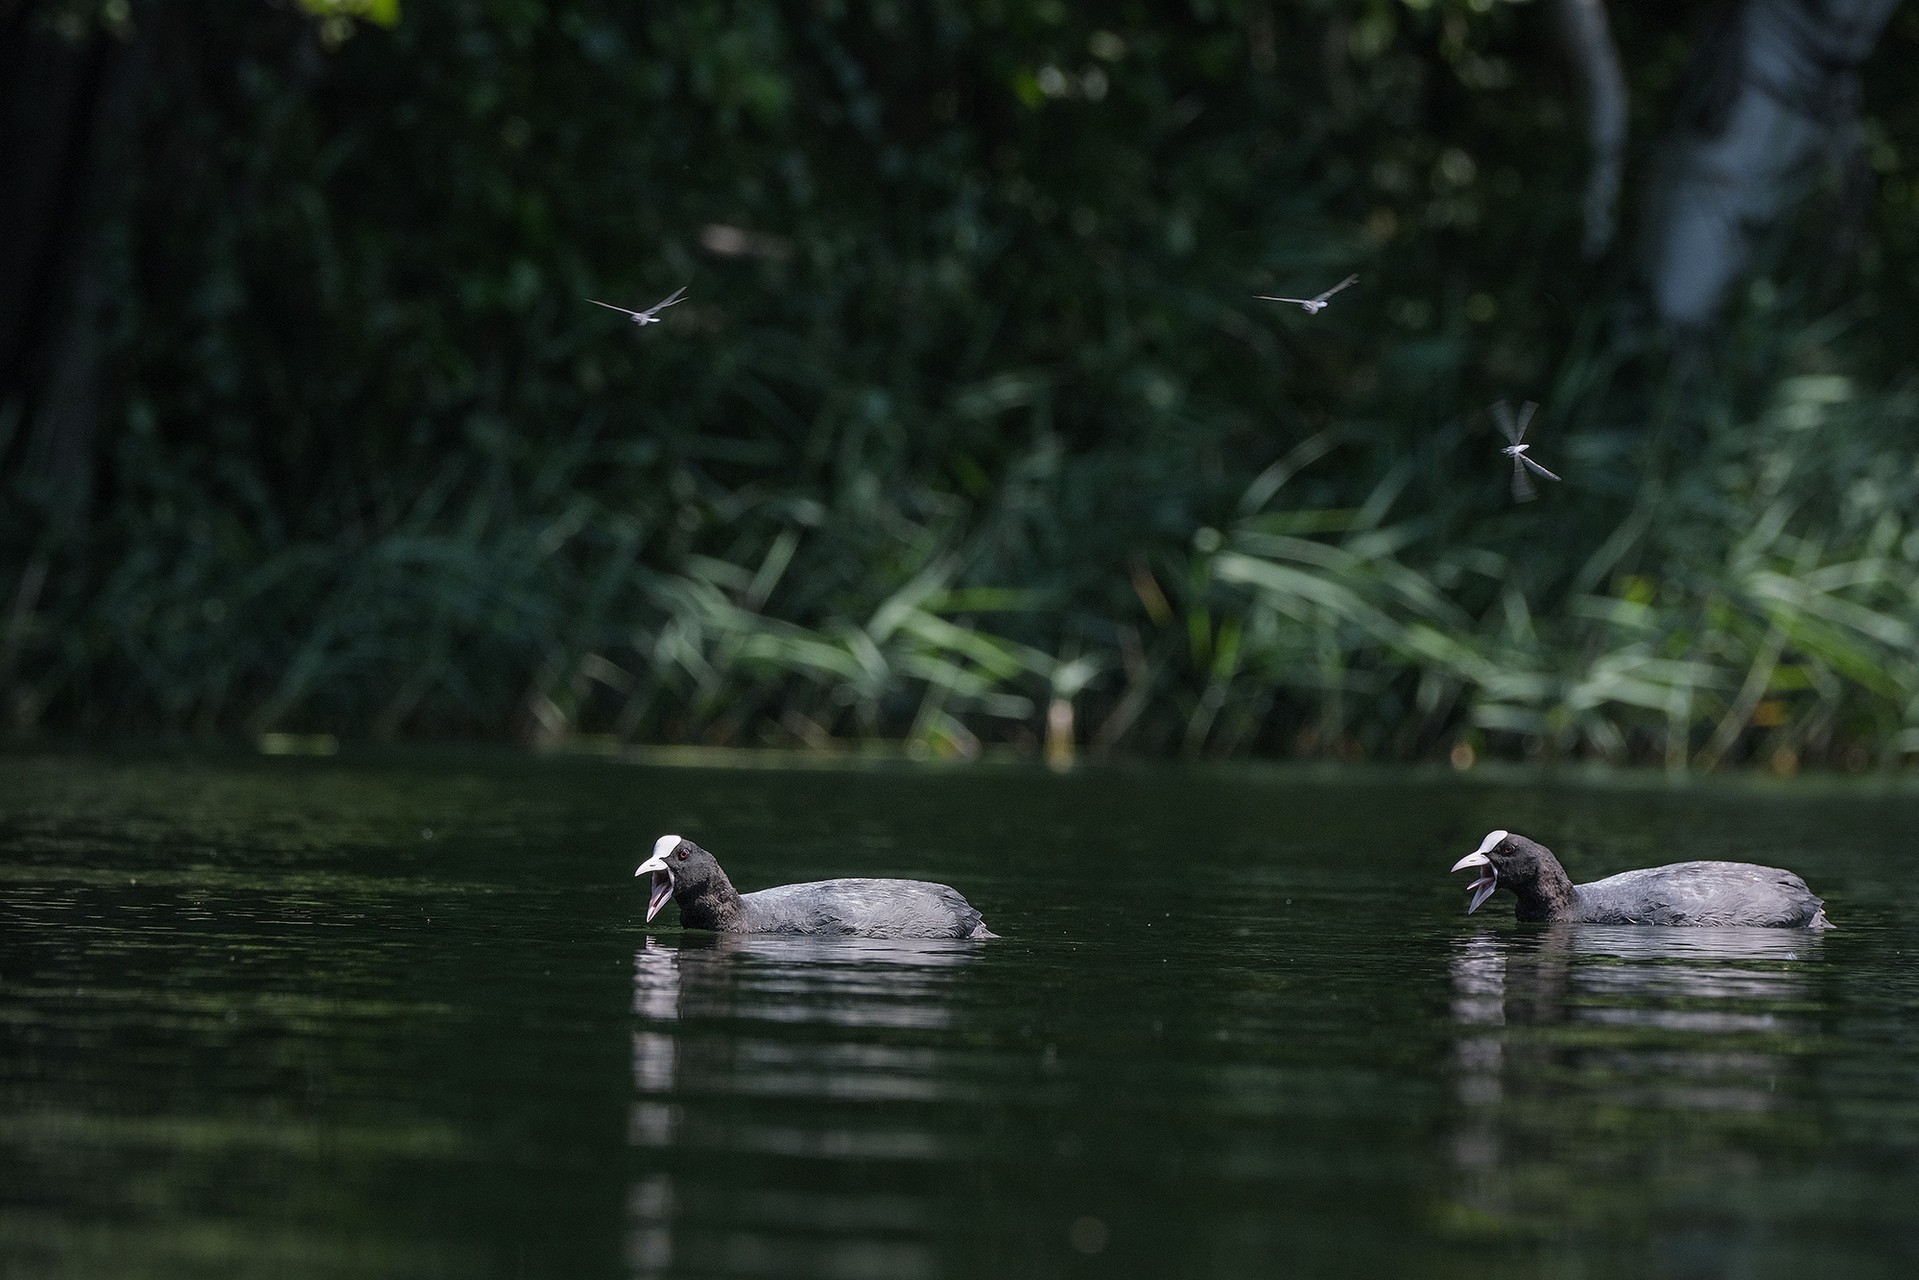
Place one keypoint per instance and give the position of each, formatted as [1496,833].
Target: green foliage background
[969,414]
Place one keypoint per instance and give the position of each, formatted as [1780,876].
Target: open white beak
[1482,888]
[662,875]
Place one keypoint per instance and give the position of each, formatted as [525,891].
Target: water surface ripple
[401,1016]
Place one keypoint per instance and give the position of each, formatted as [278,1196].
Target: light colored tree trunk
[1602,89]
[1780,92]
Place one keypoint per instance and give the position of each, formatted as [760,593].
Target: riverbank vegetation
[969,432]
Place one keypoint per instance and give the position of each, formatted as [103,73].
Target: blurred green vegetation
[969,415]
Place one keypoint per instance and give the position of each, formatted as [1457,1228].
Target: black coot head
[1506,858]
[680,869]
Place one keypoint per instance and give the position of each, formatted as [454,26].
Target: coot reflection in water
[837,1079]
[1591,1059]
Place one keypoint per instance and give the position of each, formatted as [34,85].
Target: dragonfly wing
[1503,418]
[1298,302]
[1523,490]
[610,307]
[1352,279]
[1525,420]
[653,311]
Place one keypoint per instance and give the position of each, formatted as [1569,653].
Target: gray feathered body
[864,908]
[1702,893]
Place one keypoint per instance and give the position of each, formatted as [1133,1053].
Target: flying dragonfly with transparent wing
[1514,429]
[652,314]
[1314,305]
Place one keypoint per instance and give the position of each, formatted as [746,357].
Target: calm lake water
[400,1016]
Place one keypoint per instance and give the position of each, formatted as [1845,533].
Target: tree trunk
[1587,36]
[1778,91]
[70,111]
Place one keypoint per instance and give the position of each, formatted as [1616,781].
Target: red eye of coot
[682,855]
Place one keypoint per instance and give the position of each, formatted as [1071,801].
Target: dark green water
[401,1017]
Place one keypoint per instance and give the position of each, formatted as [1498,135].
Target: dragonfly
[1314,305]
[652,314]
[1514,429]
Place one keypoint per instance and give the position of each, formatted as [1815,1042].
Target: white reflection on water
[651,1121]
[696,1058]
[850,982]
[1591,1044]
[656,982]
[649,1240]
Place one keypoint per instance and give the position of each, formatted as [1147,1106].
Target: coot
[1684,893]
[691,876]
